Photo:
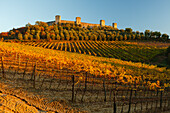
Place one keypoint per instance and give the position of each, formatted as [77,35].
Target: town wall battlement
[78,21]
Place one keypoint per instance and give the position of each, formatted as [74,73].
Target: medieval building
[78,21]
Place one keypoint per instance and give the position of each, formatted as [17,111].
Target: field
[81,80]
[130,51]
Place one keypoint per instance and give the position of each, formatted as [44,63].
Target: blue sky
[137,14]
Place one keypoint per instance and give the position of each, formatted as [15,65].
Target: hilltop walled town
[78,21]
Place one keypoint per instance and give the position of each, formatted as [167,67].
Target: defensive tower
[114,25]
[78,20]
[57,19]
[102,23]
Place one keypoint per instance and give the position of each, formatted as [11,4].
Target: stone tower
[78,20]
[102,23]
[57,19]
[114,25]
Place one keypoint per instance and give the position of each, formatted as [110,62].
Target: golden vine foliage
[126,72]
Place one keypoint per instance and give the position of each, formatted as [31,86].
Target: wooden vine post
[104,89]
[114,104]
[130,100]
[25,69]
[2,66]
[33,74]
[73,88]
[161,99]
[18,61]
[85,88]
[135,88]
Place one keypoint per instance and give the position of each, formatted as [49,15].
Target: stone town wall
[88,24]
[82,23]
[66,21]
[78,21]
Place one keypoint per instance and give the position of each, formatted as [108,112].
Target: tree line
[70,32]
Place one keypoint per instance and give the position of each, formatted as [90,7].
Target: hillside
[129,51]
[97,66]
[70,69]
[48,82]
[96,41]
[72,32]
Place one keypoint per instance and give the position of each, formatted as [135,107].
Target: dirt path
[14,104]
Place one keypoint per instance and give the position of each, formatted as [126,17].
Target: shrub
[20,36]
[37,36]
[169,58]
[26,37]
[53,36]
[168,51]
[128,30]
[31,37]
[58,37]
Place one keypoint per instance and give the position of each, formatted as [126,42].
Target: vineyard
[128,51]
[81,88]
[114,84]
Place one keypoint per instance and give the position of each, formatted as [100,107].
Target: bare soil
[43,98]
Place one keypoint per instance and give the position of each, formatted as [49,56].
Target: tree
[12,33]
[128,30]
[42,24]
[68,37]
[58,37]
[72,37]
[157,34]
[103,36]
[122,30]
[62,36]
[109,37]
[99,37]
[147,34]
[120,37]
[133,37]
[125,37]
[20,36]
[95,37]
[116,39]
[129,37]
[33,32]
[28,31]
[43,35]
[91,37]
[28,25]
[76,38]
[138,37]
[82,37]
[141,33]
[168,51]
[48,36]
[142,36]
[37,22]
[31,37]
[56,32]
[2,39]
[26,36]
[55,27]
[165,36]
[112,37]
[53,36]
[86,38]
[88,27]
[137,32]
[60,28]
[38,36]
